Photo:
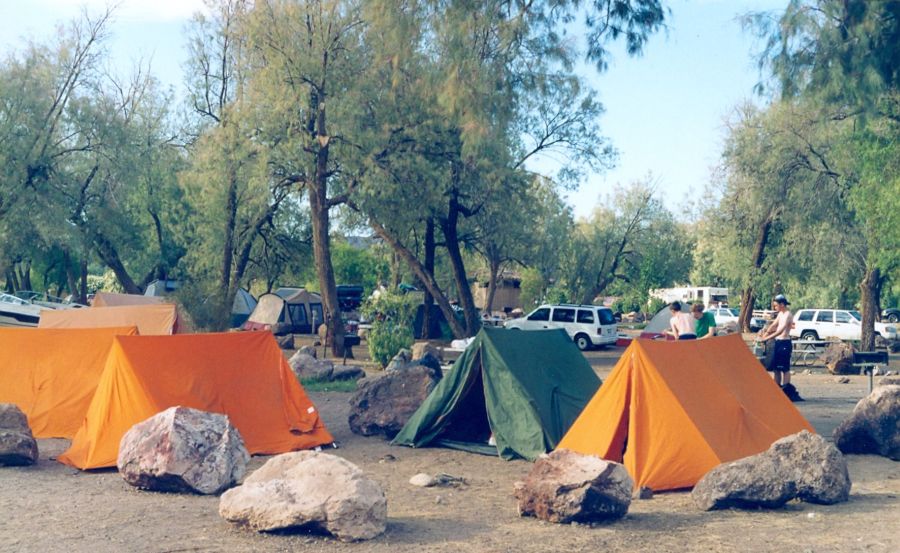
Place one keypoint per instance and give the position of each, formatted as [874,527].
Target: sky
[665,110]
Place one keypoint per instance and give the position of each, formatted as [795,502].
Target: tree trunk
[870,297]
[450,228]
[759,255]
[111,259]
[319,208]
[82,292]
[25,276]
[422,274]
[428,299]
[747,300]
[492,286]
[225,288]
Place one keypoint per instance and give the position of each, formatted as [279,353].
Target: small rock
[644,492]
[422,480]
[842,380]
[387,459]
[438,500]
[808,371]
[17,444]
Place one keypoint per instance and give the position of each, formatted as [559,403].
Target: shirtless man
[681,324]
[781,362]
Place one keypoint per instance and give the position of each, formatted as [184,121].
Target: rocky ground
[52,507]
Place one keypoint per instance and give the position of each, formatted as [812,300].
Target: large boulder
[310,490]
[383,404]
[838,358]
[183,450]
[17,444]
[347,372]
[566,486]
[874,425]
[306,366]
[802,466]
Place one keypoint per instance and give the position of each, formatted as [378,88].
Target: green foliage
[391,315]
[353,265]
[532,288]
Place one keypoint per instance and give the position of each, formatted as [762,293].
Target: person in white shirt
[681,324]
[781,362]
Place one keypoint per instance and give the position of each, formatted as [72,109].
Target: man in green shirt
[706,323]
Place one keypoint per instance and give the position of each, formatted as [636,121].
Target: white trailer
[709,296]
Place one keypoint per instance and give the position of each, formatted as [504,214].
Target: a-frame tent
[671,411]
[240,374]
[524,387]
[51,374]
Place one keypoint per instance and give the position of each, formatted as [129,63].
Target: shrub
[392,316]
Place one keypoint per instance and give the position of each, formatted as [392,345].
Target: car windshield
[856,315]
[733,312]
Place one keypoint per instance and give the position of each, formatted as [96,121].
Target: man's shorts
[687,336]
[781,360]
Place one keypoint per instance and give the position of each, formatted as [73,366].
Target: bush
[392,315]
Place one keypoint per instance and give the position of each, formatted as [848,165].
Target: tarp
[524,387]
[672,411]
[51,374]
[112,299]
[241,374]
[151,320]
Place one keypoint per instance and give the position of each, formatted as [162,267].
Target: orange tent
[242,374]
[51,374]
[112,299]
[671,411]
[151,320]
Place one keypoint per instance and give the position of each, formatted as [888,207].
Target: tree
[844,54]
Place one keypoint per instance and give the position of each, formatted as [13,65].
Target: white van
[587,325]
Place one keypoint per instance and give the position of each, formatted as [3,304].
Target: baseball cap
[781,299]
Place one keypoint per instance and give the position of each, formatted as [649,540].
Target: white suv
[813,324]
[587,325]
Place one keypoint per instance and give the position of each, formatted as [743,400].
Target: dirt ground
[51,507]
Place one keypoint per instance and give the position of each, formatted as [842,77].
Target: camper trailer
[709,296]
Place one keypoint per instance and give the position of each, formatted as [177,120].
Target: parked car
[726,315]
[891,315]
[844,324]
[587,325]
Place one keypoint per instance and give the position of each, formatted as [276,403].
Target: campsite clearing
[52,507]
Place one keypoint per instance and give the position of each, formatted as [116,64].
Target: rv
[709,296]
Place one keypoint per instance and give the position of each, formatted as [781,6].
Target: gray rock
[422,480]
[347,372]
[566,487]
[889,382]
[802,466]
[285,342]
[311,490]
[838,358]
[305,366]
[309,350]
[424,350]
[383,404]
[644,493]
[874,424]
[403,358]
[183,450]
[17,444]
[842,380]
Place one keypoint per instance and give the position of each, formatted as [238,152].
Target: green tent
[525,387]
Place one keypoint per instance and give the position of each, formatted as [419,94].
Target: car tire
[583,341]
[809,335]
[893,317]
